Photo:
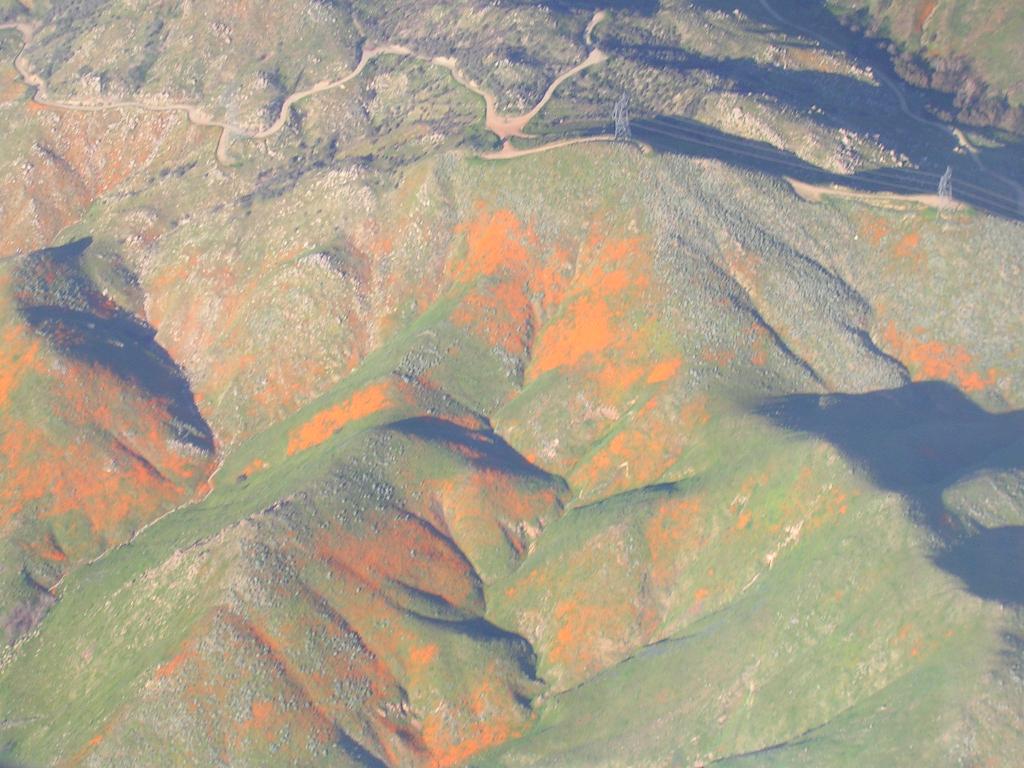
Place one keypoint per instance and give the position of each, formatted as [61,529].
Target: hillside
[386,412]
[970,49]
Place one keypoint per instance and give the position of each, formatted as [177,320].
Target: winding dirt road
[588,35]
[509,152]
[505,127]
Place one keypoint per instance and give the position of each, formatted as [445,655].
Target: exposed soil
[503,126]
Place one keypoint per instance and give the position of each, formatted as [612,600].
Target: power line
[743,147]
[740,147]
[946,185]
[622,128]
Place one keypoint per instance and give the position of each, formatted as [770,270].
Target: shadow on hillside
[918,441]
[60,302]
[693,139]
[830,99]
[812,19]
[485,450]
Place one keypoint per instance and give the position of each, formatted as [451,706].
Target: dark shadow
[832,100]
[812,19]
[693,139]
[482,631]
[483,449]
[990,563]
[59,301]
[918,441]
[356,751]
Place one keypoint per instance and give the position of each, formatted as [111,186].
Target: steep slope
[381,578]
[99,430]
[606,455]
[334,596]
[58,163]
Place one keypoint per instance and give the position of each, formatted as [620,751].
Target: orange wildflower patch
[759,346]
[925,9]
[492,516]
[261,711]
[695,413]
[171,667]
[486,735]
[673,527]
[618,377]
[382,559]
[17,355]
[581,628]
[907,245]
[325,424]
[636,456]
[592,323]
[935,360]
[721,358]
[664,371]
[124,469]
[496,719]
[254,466]
[495,242]
[586,330]
[53,555]
[261,720]
[48,549]
[69,475]
[909,249]
[422,657]
[912,641]
[500,313]
[874,229]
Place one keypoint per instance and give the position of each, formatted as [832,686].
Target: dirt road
[503,126]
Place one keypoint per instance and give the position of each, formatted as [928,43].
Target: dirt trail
[509,152]
[503,126]
[588,35]
[814,193]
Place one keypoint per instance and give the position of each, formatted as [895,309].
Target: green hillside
[426,431]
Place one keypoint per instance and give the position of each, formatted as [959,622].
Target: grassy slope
[647,570]
[618,338]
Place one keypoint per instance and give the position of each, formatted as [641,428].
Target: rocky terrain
[365,400]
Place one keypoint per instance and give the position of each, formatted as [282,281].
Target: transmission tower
[622,130]
[946,186]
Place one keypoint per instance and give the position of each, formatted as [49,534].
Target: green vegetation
[597,456]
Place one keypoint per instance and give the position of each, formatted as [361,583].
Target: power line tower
[622,129]
[946,186]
